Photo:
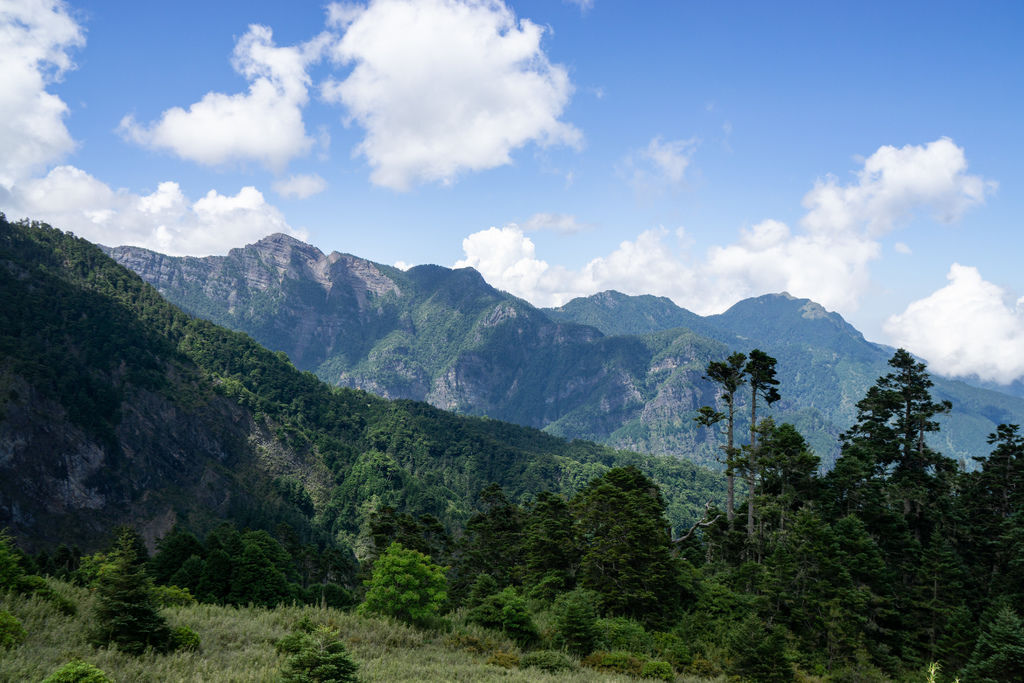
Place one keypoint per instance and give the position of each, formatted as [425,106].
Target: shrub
[507,612]
[617,662]
[406,585]
[619,633]
[471,643]
[12,633]
[334,595]
[576,621]
[184,639]
[173,596]
[671,648]
[655,669]
[78,671]
[548,660]
[702,667]
[63,605]
[321,658]
[506,660]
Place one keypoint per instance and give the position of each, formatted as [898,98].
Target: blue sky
[865,155]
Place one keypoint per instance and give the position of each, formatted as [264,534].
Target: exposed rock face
[288,294]
[168,463]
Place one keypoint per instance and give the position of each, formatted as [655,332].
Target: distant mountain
[116,407]
[623,370]
[615,313]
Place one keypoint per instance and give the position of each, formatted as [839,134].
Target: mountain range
[626,371]
[118,408]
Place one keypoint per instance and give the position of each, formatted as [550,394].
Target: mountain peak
[278,238]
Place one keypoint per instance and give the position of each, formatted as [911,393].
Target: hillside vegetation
[118,407]
[478,536]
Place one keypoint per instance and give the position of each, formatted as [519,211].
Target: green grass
[238,645]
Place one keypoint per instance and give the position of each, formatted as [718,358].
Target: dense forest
[568,559]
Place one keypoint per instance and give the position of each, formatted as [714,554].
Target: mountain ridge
[447,337]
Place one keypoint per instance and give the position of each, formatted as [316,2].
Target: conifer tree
[729,376]
[550,552]
[999,654]
[628,559]
[760,370]
[126,613]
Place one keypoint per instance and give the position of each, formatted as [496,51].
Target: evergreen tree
[729,376]
[788,470]
[550,552]
[216,579]
[627,558]
[999,655]
[760,370]
[126,613]
[576,621]
[320,658]
[173,550]
[492,542]
[189,574]
[256,579]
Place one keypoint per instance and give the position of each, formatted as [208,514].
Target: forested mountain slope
[117,407]
[625,371]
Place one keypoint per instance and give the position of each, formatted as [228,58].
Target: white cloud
[165,220]
[827,259]
[661,165]
[893,185]
[300,186]
[969,327]
[444,86]
[556,222]
[36,38]
[264,125]
[902,248]
[507,259]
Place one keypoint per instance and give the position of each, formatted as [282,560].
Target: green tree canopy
[628,559]
[406,585]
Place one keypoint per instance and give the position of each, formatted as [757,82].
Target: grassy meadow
[238,644]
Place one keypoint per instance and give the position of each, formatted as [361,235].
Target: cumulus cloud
[300,186]
[37,38]
[826,258]
[893,185]
[263,125]
[445,86]
[661,165]
[507,259]
[164,220]
[969,327]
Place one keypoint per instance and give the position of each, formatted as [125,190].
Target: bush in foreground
[12,633]
[78,672]
[320,657]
